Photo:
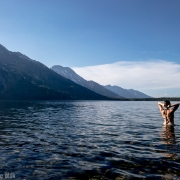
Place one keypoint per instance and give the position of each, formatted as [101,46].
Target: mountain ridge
[72,75]
[117,91]
[22,78]
[127,93]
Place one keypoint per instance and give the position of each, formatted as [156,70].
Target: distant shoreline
[150,99]
[124,99]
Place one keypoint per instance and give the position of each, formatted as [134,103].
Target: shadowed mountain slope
[70,74]
[22,79]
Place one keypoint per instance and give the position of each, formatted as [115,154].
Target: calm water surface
[87,140]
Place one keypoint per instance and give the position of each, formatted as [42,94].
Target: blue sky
[87,34]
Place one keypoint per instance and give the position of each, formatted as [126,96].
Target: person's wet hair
[167,102]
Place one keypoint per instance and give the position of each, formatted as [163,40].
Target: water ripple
[87,140]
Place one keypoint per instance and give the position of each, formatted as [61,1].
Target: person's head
[167,103]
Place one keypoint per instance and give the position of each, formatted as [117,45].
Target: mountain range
[70,74]
[127,93]
[22,78]
[108,90]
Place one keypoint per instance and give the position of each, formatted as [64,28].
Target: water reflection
[168,135]
[169,138]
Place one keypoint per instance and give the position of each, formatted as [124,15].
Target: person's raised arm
[174,107]
[160,105]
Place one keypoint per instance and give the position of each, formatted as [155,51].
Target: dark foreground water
[87,140]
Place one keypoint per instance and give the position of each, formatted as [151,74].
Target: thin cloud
[151,75]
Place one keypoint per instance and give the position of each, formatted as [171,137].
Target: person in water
[167,110]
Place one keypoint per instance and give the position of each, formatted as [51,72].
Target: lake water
[87,140]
